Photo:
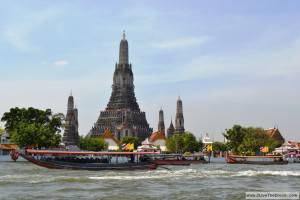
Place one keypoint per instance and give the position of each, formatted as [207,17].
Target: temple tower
[161,123]
[179,120]
[122,115]
[71,136]
[171,130]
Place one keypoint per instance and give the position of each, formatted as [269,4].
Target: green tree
[254,139]
[190,143]
[1,130]
[219,146]
[235,137]
[180,143]
[248,140]
[92,143]
[130,139]
[33,127]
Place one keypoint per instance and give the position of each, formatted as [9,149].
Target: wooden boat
[297,158]
[256,160]
[177,159]
[86,160]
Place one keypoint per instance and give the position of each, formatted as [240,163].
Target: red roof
[156,136]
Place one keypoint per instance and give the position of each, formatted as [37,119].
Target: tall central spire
[123,54]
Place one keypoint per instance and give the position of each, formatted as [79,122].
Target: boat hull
[178,162]
[89,166]
[244,160]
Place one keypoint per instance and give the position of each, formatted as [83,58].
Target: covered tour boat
[87,160]
[257,160]
[177,159]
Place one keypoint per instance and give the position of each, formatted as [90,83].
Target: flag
[129,147]
[264,149]
[209,147]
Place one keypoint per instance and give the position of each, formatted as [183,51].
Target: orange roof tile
[156,136]
[8,146]
[109,135]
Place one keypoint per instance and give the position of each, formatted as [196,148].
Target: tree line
[41,128]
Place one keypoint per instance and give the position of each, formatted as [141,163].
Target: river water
[23,180]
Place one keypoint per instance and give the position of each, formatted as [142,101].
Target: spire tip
[124,35]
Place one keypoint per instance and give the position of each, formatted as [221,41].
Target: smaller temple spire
[161,123]
[171,129]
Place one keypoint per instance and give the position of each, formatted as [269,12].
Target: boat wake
[140,175]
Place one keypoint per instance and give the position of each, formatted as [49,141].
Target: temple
[179,121]
[122,115]
[71,136]
[161,123]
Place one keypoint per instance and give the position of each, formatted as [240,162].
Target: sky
[231,62]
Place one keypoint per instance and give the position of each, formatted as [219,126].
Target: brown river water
[23,180]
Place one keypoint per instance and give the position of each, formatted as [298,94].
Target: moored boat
[177,159]
[86,160]
[257,160]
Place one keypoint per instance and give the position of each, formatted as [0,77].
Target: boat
[177,159]
[257,160]
[88,160]
[297,158]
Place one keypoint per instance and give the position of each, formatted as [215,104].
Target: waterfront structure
[111,141]
[122,115]
[170,130]
[275,134]
[5,145]
[158,139]
[71,135]
[179,120]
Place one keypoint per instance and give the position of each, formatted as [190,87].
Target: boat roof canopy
[47,152]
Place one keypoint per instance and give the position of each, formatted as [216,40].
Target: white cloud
[60,63]
[182,42]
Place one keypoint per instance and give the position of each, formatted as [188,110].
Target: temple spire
[179,120]
[123,54]
[161,123]
[124,35]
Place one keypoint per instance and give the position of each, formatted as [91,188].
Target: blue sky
[232,62]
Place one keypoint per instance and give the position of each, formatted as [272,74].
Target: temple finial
[124,35]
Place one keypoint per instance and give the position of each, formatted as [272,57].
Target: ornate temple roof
[156,136]
[109,135]
[275,134]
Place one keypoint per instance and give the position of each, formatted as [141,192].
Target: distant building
[179,120]
[111,141]
[206,139]
[5,144]
[170,130]
[71,135]
[4,138]
[275,134]
[161,122]
[158,139]
[122,115]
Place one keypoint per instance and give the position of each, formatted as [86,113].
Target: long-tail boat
[177,159]
[88,160]
[257,160]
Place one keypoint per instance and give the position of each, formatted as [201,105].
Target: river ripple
[23,180]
